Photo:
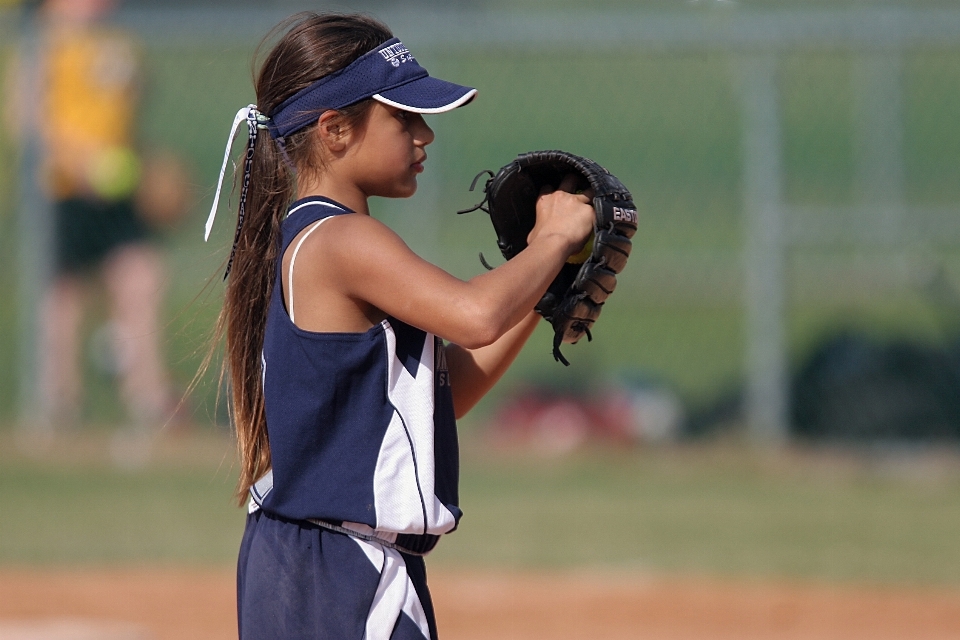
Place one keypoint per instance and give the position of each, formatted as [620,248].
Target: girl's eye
[403,115]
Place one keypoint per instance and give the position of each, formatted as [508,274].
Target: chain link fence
[798,171]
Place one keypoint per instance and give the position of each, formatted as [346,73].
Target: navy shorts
[296,580]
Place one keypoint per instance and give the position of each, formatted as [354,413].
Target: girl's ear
[332,135]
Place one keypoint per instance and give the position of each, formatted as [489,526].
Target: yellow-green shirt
[89,111]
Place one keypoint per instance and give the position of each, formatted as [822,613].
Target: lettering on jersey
[396,54]
[440,364]
[625,215]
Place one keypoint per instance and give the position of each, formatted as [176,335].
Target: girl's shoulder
[354,233]
[347,247]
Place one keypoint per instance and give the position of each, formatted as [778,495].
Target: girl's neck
[344,192]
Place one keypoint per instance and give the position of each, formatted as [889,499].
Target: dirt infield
[168,604]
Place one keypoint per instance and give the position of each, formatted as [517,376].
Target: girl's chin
[409,189]
[404,191]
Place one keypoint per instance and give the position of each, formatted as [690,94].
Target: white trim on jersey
[397,492]
[293,259]
[312,202]
[404,477]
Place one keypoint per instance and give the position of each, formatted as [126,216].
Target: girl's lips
[417,167]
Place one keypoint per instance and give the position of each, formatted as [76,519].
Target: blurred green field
[718,509]
[668,126]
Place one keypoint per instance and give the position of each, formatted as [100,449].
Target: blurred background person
[92,172]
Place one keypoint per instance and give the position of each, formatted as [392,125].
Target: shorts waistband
[411,544]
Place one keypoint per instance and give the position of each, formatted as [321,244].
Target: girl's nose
[424,134]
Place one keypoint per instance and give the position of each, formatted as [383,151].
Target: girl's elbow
[483,330]
[480,318]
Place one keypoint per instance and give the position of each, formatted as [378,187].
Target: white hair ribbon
[255,122]
[242,114]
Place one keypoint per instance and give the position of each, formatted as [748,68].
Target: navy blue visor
[389,74]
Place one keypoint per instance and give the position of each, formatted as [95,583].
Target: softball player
[351,357]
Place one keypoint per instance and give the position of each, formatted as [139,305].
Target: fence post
[34,228]
[766,397]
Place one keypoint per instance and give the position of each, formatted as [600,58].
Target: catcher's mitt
[574,299]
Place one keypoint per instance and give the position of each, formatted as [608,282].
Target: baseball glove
[574,299]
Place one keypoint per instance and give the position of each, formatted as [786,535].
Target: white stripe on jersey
[396,595]
[403,480]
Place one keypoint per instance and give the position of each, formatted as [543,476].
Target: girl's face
[389,151]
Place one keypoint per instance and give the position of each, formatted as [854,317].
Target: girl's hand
[565,214]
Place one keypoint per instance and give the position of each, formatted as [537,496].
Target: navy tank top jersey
[361,425]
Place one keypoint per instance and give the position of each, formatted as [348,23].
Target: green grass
[722,509]
[714,511]
[71,506]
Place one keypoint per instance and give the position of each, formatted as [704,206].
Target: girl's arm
[362,260]
[473,372]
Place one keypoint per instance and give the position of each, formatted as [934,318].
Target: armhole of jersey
[293,259]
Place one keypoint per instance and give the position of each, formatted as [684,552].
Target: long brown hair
[308,46]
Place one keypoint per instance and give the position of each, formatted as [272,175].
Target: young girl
[349,356]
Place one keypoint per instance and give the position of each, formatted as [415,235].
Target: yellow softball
[584,253]
[114,172]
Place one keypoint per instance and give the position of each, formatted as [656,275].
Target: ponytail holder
[255,122]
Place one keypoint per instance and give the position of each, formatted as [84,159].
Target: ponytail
[244,314]
[310,46]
